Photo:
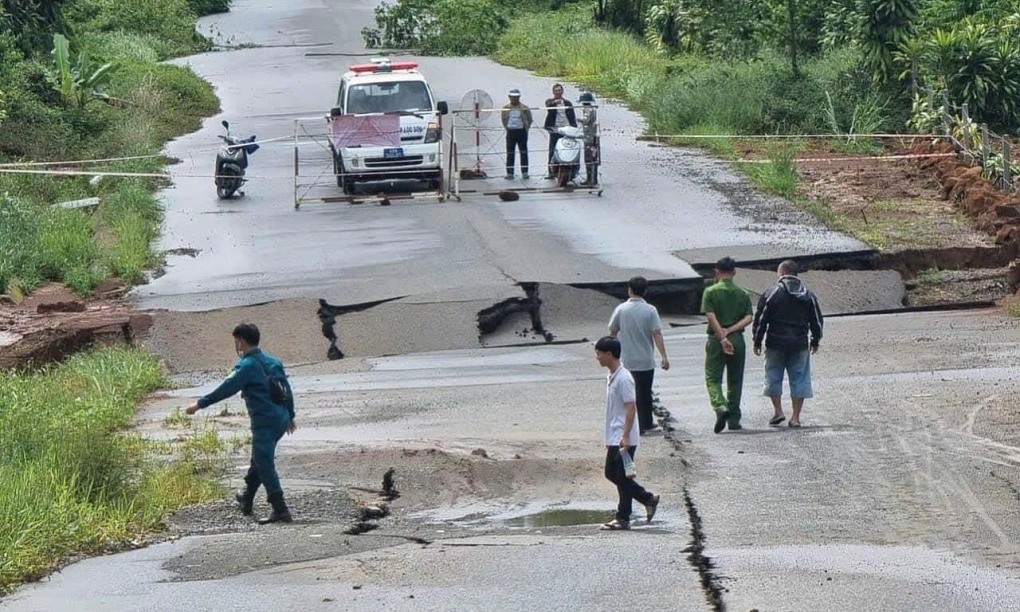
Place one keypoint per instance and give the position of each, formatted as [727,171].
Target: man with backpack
[262,382]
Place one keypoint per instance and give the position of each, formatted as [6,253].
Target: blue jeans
[796,364]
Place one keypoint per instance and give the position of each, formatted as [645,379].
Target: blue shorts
[797,364]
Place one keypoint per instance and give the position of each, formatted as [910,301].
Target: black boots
[245,499]
[280,513]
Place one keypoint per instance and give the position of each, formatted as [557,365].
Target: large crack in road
[402,297]
[702,563]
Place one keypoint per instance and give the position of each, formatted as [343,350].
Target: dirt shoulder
[53,323]
[951,233]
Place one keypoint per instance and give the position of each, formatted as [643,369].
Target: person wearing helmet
[516,121]
[590,124]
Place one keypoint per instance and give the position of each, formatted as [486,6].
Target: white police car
[375,103]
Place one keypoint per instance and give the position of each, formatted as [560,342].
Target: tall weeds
[71,483]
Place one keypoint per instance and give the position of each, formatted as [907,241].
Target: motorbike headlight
[433,133]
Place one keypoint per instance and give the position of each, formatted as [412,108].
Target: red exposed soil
[53,322]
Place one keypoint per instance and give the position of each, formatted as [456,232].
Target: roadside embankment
[100,93]
[85,80]
[73,484]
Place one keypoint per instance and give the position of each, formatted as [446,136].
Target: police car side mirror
[225,124]
[336,111]
[442,107]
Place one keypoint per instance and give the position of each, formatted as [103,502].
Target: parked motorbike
[232,162]
[566,162]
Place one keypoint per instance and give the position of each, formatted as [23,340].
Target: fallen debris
[389,487]
[490,319]
[361,527]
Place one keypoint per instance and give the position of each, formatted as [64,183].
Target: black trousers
[553,139]
[627,488]
[643,387]
[516,139]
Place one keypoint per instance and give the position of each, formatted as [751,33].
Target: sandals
[616,525]
[795,424]
[776,420]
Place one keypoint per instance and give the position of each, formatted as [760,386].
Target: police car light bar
[383,66]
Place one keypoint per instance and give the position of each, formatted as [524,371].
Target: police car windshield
[399,96]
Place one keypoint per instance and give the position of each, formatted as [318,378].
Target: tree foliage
[32,22]
[885,27]
[438,27]
[969,48]
[80,80]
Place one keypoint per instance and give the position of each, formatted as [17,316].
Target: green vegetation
[729,66]
[779,174]
[700,93]
[81,81]
[209,7]
[73,484]
[177,419]
[449,27]
[932,277]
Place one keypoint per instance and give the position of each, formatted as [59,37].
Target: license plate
[393,153]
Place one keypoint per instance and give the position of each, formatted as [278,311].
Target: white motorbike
[567,154]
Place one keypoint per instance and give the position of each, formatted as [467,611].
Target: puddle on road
[530,516]
[562,517]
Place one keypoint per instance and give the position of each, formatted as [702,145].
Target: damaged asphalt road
[898,493]
[889,493]
[347,254]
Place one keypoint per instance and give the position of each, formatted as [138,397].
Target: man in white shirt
[621,435]
[636,323]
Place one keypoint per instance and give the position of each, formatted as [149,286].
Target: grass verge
[688,95]
[149,103]
[72,482]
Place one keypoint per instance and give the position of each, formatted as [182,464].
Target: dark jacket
[786,314]
[550,114]
[251,378]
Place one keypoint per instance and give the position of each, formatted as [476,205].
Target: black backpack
[278,391]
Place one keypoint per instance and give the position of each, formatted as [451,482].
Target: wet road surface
[258,248]
[884,500]
[898,494]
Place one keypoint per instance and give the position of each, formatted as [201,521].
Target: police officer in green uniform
[255,375]
[728,309]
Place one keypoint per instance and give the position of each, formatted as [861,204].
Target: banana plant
[81,81]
